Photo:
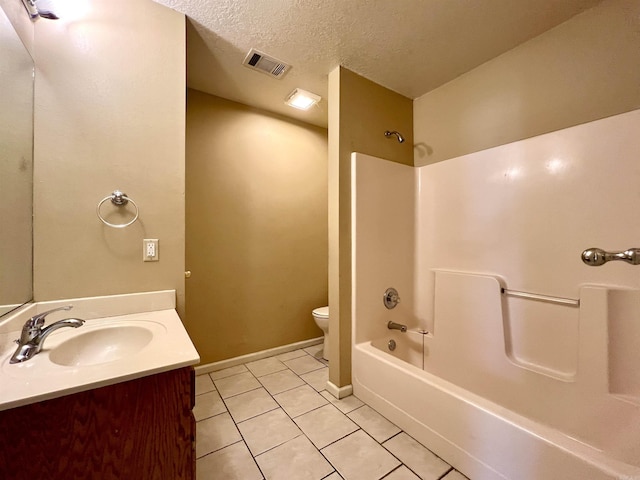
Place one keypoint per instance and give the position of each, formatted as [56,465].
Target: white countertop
[41,379]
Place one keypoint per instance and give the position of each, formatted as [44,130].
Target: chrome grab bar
[543,298]
[594,257]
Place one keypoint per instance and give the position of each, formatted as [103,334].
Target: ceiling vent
[265,64]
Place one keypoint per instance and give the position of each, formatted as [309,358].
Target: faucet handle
[38,320]
[33,326]
[390,298]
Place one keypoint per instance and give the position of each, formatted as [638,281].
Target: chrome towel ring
[119,199]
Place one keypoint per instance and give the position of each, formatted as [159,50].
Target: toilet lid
[322,312]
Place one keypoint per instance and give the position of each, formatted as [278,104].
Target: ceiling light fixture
[301,99]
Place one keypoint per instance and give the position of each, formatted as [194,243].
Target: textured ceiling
[409,46]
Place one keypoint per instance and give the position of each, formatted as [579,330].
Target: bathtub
[531,367]
[480,437]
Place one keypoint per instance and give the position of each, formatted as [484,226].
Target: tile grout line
[304,413]
[285,412]
[253,458]
[395,435]
[334,471]
[249,370]
[337,440]
[276,446]
[302,433]
[262,385]
[241,393]
[446,473]
[293,419]
[397,468]
[390,453]
[214,416]
[218,449]
[408,467]
[255,416]
[243,440]
[290,417]
[319,450]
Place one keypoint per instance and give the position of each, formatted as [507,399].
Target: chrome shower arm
[397,134]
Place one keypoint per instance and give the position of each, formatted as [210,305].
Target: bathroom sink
[104,351]
[101,345]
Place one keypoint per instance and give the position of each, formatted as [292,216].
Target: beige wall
[21,22]
[360,111]
[109,114]
[256,228]
[16,168]
[584,69]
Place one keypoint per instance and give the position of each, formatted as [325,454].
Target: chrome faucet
[396,326]
[33,334]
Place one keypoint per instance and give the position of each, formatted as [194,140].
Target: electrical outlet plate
[150,252]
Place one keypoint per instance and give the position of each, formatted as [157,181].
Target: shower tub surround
[499,386]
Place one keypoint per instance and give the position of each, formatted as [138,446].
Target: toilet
[321,316]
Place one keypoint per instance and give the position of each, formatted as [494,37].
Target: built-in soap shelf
[594,335]
[535,331]
[541,333]
[623,327]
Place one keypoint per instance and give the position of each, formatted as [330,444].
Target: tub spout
[396,326]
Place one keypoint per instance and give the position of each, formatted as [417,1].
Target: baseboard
[339,392]
[252,357]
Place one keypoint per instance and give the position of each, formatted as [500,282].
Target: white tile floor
[273,419]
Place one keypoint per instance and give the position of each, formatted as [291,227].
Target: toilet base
[325,349]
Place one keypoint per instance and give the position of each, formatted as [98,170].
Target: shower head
[397,134]
[40,8]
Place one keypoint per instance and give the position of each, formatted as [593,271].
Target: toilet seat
[321,312]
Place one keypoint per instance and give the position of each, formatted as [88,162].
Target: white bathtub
[478,437]
[506,386]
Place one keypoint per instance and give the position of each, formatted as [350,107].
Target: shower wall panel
[525,211]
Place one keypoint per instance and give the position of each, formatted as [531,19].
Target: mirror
[16,169]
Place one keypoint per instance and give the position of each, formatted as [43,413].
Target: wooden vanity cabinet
[142,429]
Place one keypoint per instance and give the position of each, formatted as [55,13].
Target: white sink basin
[98,346]
[101,345]
[104,351]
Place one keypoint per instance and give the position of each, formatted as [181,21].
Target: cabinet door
[140,429]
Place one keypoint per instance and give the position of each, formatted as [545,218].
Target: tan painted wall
[109,114]
[256,228]
[360,111]
[585,69]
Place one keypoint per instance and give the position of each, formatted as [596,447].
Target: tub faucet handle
[391,298]
[33,326]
